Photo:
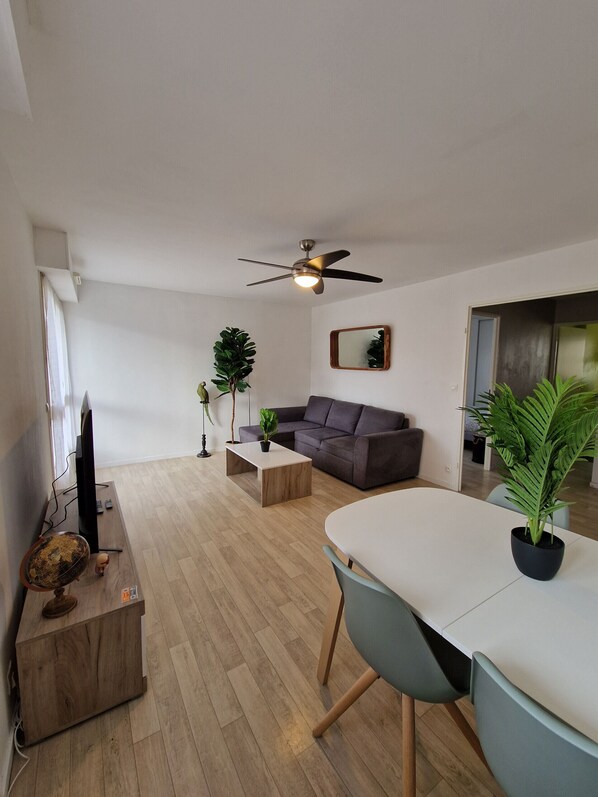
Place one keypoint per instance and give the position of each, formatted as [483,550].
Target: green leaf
[268,422]
[233,362]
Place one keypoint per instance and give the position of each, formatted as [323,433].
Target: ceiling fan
[308,272]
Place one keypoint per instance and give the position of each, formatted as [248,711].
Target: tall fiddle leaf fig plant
[539,440]
[233,361]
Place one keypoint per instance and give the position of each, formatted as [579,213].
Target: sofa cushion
[317,409]
[374,420]
[288,414]
[344,415]
[342,447]
[314,437]
[295,426]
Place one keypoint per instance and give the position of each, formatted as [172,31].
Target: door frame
[489,454]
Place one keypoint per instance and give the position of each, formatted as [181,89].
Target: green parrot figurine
[205,400]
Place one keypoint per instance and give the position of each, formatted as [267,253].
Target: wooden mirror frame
[334,347]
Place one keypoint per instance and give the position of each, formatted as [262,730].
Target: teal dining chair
[500,497]
[406,653]
[531,752]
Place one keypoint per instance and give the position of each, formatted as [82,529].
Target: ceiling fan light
[306,280]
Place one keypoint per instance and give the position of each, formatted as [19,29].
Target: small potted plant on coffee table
[269,425]
[539,440]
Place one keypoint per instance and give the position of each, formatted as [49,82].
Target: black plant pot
[265,445]
[541,561]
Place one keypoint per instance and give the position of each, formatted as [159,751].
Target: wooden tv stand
[74,667]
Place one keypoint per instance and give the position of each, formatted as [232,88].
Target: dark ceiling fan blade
[323,261]
[339,274]
[272,279]
[318,287]
[261,263]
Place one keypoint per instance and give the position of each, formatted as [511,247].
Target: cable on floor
[18,724]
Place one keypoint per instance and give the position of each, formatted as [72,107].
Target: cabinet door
[80,671]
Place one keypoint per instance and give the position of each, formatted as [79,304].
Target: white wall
[141,353]
[428,329]
[24,442]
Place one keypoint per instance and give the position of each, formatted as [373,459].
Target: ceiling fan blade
[318,287]
[261,263]
[323,261]
[339,274]
[272,279]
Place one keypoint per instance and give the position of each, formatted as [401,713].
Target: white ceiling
[169,138]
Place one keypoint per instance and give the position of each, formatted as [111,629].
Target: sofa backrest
[352,418]
[344,415]
[317,409]
[373,420]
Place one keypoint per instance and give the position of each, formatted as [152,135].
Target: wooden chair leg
[358,688]
[467,731]
[408,729]
[333,620]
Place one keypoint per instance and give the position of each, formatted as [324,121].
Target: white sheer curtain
[60,397]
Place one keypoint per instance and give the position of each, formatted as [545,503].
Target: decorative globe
[52,563]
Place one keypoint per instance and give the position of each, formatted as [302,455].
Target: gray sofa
[363,445]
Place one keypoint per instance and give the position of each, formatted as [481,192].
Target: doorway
[576,354]
[526,351]
[481,376]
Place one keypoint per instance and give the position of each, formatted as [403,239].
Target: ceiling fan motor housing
[301,267]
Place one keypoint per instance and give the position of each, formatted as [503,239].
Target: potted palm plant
[539,440]
[269,425]
[233,361]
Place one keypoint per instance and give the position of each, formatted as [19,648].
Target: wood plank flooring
[236,597]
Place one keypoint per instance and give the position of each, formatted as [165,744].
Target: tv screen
[86,479]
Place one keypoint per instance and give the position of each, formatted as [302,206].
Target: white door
[481,366]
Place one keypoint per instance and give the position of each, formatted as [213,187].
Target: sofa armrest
[385,457]
[287,414]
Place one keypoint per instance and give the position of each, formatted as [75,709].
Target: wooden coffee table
[272,477]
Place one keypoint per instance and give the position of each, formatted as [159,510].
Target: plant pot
[265,445]
[541,561]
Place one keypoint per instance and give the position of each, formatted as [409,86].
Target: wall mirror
[361,348]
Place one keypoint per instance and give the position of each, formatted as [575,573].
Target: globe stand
[203,453]
[60,604]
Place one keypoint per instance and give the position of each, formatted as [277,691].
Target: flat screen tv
[86,479]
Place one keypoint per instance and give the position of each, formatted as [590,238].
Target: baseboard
[6,767]
[435,480]
[448,484]
[154,458]
[7,757]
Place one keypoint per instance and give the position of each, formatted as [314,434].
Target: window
[60,399]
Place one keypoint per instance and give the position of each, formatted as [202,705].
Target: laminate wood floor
[235,600]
